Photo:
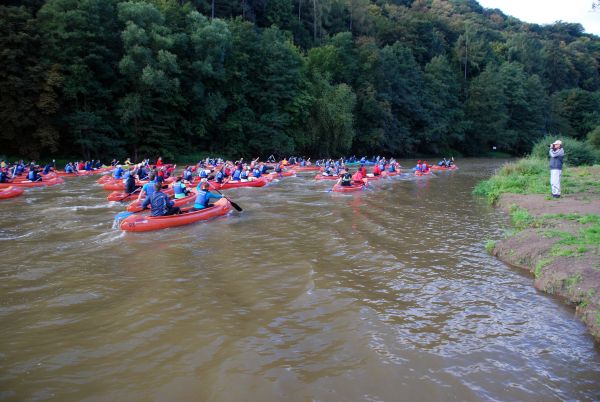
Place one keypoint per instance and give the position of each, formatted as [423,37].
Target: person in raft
[160,203]
[204,196]
[118,172]
[419,167]
[557,153]
[34,174]
[179,188]
[424,167]
[130,186]
[345,180]
[148,188]
[377,170]
[358,177]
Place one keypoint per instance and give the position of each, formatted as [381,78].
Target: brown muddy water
[306,295]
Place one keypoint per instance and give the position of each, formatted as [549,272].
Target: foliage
[577,153]
[593,138]
[529,175]
[140,78]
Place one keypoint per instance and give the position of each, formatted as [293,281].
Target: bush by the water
[593,138]
[529,175]
[577,153]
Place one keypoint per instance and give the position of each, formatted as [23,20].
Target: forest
[111,78]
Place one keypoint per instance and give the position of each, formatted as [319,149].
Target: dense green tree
[94,78]
[149,107]
[28,88]
[444,107]
[81,38]
[575,112]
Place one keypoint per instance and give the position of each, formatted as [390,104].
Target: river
[305,295]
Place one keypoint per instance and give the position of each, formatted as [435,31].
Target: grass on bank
[532,176]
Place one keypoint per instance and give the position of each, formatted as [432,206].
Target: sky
[549,11]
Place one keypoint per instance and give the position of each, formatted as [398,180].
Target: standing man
[557,154]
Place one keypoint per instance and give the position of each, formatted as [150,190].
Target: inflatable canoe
[442,168]
[10,192]
[338,188]
[323,177]
[419,173]
[262,181]
[141,223]
[27,183]
[311,168]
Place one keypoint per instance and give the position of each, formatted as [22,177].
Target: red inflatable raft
[140,223]
[436,167]
[262,181]
[322,177]
[10,192]
[338,188]
[311,168]
[27,183]
[419,173]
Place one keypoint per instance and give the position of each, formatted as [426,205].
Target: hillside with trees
[104,78]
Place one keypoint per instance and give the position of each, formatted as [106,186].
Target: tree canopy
[140,78]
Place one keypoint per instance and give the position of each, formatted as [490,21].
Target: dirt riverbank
[557,241]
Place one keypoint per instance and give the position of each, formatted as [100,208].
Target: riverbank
[557,240]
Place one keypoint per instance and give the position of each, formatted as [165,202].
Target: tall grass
[529,175]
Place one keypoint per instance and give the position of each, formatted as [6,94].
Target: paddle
[233,204]
[130,194]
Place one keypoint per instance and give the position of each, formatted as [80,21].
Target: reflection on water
[306,295]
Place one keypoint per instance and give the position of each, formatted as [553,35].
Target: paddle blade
[119,218]
[236,206]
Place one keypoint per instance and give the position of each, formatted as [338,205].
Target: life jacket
[130,184]
[203,174]
[31,176]
[357,176]
[346,179]
[236,175]
[201,199]
[178,189]
[118,174]
[256,173]
[219,177]
[376,170]
[243,175]
[69,169]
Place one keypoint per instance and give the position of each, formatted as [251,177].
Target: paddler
[130,186]
[160,203]
[204,196]
[179,188]
[33,174]
[345,179]
[148,188]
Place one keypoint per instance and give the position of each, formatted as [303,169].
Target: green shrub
[593,138]
[577,153]
[526,176]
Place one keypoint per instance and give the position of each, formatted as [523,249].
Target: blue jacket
[159,202]
[117,174]
[149,189]
[204,197]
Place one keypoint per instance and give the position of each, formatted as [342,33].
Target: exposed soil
[576,278]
